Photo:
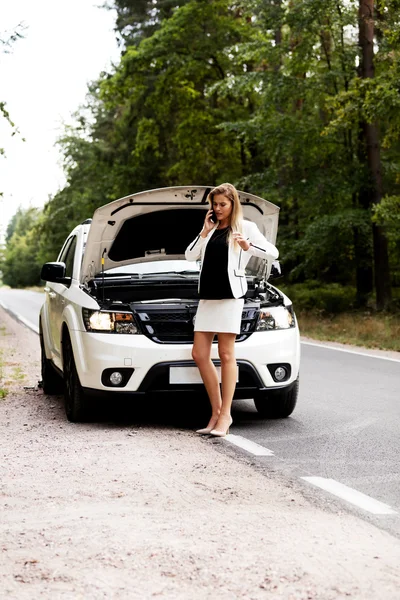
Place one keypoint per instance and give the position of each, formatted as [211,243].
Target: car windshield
[155,267]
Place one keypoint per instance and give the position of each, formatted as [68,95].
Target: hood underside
[160,224]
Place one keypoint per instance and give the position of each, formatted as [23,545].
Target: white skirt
[219,316]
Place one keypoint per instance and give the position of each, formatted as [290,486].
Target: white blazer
[237,257]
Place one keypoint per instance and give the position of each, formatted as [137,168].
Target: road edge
[19,318]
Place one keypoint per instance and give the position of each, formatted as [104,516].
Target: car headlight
[275,317]
[104,321]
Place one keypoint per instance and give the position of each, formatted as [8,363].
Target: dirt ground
[134,507]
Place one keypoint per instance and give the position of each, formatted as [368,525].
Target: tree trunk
[364,257]
[372,148]
[364,274]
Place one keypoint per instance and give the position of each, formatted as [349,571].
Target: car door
[56,297]
[52,290]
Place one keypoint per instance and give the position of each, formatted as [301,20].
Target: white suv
[121,300]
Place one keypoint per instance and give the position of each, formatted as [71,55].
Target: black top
[214,280]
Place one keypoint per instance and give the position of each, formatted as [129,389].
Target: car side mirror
[276,270]
[54,272]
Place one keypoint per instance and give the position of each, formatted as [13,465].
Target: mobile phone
[213,217]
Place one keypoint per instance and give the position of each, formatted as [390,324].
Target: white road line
[26,322]
[351,351]
[350,495]
[249,446]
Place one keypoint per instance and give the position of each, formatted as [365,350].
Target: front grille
[174,325]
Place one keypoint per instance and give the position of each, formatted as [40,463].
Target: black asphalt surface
[346,425]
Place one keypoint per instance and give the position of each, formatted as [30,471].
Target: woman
[224,246]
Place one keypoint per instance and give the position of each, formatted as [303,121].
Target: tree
[162,100]
[19,262]
[299,65]
[274,96]
[371,142]
[315,133]
[138,19]
[155,120]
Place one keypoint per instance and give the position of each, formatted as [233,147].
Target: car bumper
[151,362]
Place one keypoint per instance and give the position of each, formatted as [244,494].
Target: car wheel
[277,404]
[75,401]
[52,383]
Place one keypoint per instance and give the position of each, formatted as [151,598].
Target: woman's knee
[195,354]
[199,356]
[226,355]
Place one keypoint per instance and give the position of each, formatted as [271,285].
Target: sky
[43,80]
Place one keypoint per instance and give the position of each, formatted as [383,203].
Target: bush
[18,263]
[329,298]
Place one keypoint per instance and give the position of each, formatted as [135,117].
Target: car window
[69,259]
[65,249]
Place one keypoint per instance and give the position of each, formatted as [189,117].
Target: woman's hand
[208,224]
[243,243]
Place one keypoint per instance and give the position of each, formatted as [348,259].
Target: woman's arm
[193,251]
[259,246]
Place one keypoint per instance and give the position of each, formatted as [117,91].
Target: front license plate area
[185,375]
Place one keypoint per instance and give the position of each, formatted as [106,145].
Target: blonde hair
[236,217]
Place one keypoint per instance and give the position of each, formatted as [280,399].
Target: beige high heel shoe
[206,430]
[219,433]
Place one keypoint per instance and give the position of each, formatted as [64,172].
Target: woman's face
[222,207]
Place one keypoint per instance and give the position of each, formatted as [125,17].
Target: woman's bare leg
[201,354]
[226,350]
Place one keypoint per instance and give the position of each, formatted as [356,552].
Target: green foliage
[328,247]
[267,94]
[19,261]
[321,298]
[307,131]
[155,120]
[387,214]
[159,96]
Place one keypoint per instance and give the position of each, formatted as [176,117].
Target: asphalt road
[24,305]
[345,428]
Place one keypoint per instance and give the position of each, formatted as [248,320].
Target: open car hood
[160,224]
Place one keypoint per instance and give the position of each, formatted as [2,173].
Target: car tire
[277,404]
[52,382]
[74,396]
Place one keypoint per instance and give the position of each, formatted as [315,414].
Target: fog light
[280,373]
[116,378]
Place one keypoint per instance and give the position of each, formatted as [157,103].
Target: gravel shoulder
[126,510]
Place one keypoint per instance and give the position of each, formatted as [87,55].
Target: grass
[17,374]
[31,288]
[35,288]
[372,330]
[8,378]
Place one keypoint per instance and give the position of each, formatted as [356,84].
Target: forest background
[297,101]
